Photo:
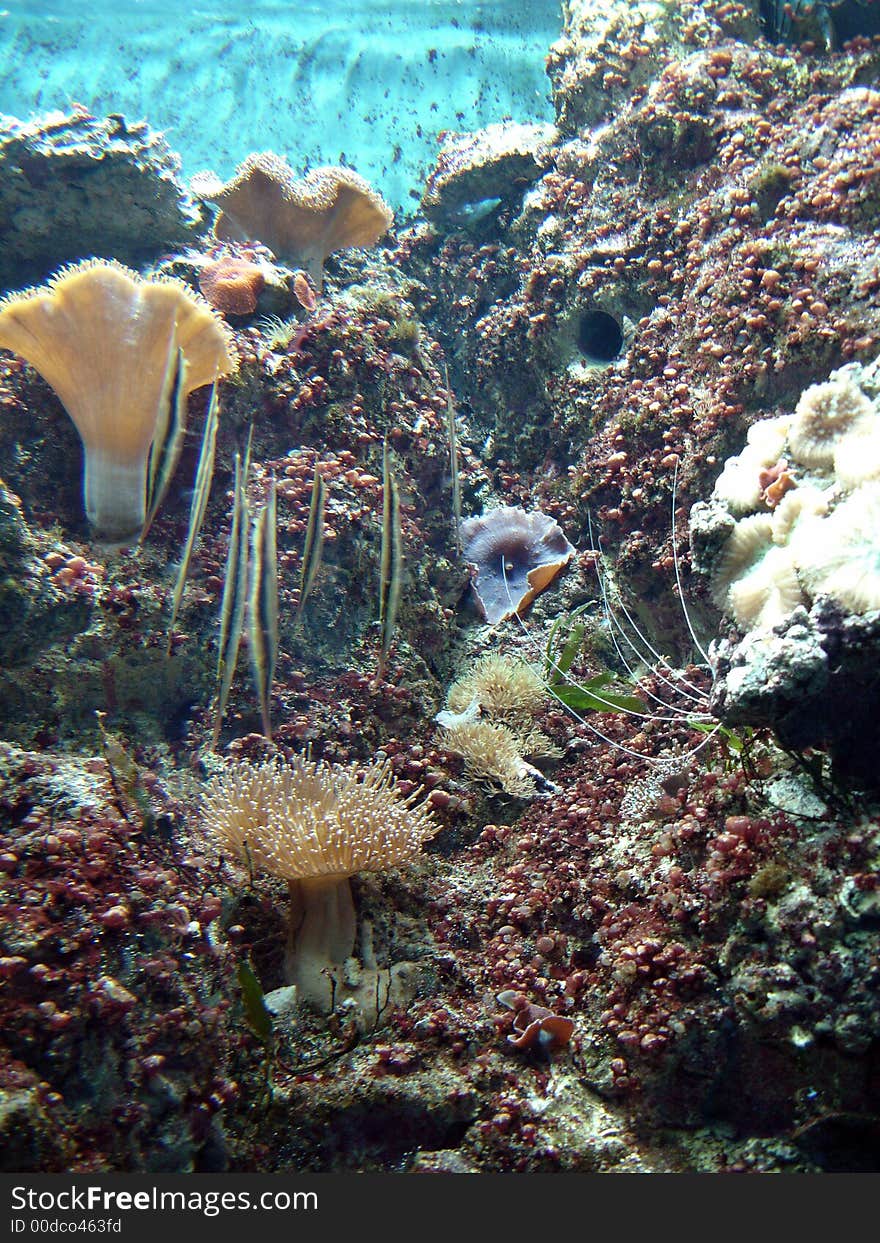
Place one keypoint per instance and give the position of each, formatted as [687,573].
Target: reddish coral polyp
[232,284]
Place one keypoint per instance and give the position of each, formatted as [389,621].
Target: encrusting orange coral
[122,352]
[232,284]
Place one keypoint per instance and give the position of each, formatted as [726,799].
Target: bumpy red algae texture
[118,1050]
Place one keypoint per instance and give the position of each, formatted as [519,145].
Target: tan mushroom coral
[122,352]
[502,687]
[517,555]
[302,221]
[315,825]
[825,414]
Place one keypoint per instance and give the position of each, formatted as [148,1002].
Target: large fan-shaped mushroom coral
[517,555]
[302,221]
[315,825]
[122,353]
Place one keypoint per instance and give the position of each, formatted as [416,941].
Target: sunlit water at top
[369,83]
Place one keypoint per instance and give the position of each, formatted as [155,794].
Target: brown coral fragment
[117,349]
[302,221]
[517,554]
[304,293]
[535,1027]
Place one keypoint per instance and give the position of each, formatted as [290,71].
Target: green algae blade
[591,696]
[198,505]
[256,1012]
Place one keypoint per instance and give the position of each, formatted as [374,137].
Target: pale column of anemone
[115,346]
[315,825]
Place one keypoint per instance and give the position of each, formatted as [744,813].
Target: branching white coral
[502,688]
[489,720]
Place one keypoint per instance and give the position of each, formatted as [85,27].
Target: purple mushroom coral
[517,555]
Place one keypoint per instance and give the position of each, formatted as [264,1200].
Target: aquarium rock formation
[659,954]
[475,173]
[73,185]
[790,542]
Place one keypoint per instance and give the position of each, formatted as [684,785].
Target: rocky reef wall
[658,951]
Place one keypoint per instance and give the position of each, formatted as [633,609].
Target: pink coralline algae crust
[725,220]
[684,946]
[117,1002]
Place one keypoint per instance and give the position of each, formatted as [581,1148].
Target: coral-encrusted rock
[607,51]
[274,290]
[494,163]
[797,570]
[72,186]
[28,1138]
[34,611]
[114,1009]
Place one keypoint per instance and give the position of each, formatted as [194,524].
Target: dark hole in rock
[600,337]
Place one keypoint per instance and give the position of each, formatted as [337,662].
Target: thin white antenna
[684,610]
[619,746]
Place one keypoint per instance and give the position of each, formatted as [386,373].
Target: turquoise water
[369,83]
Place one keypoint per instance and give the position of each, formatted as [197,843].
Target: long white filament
[680,687]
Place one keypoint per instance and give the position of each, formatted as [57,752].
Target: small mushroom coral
[303,221]
[517,555]
[122,352]
[315,825]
